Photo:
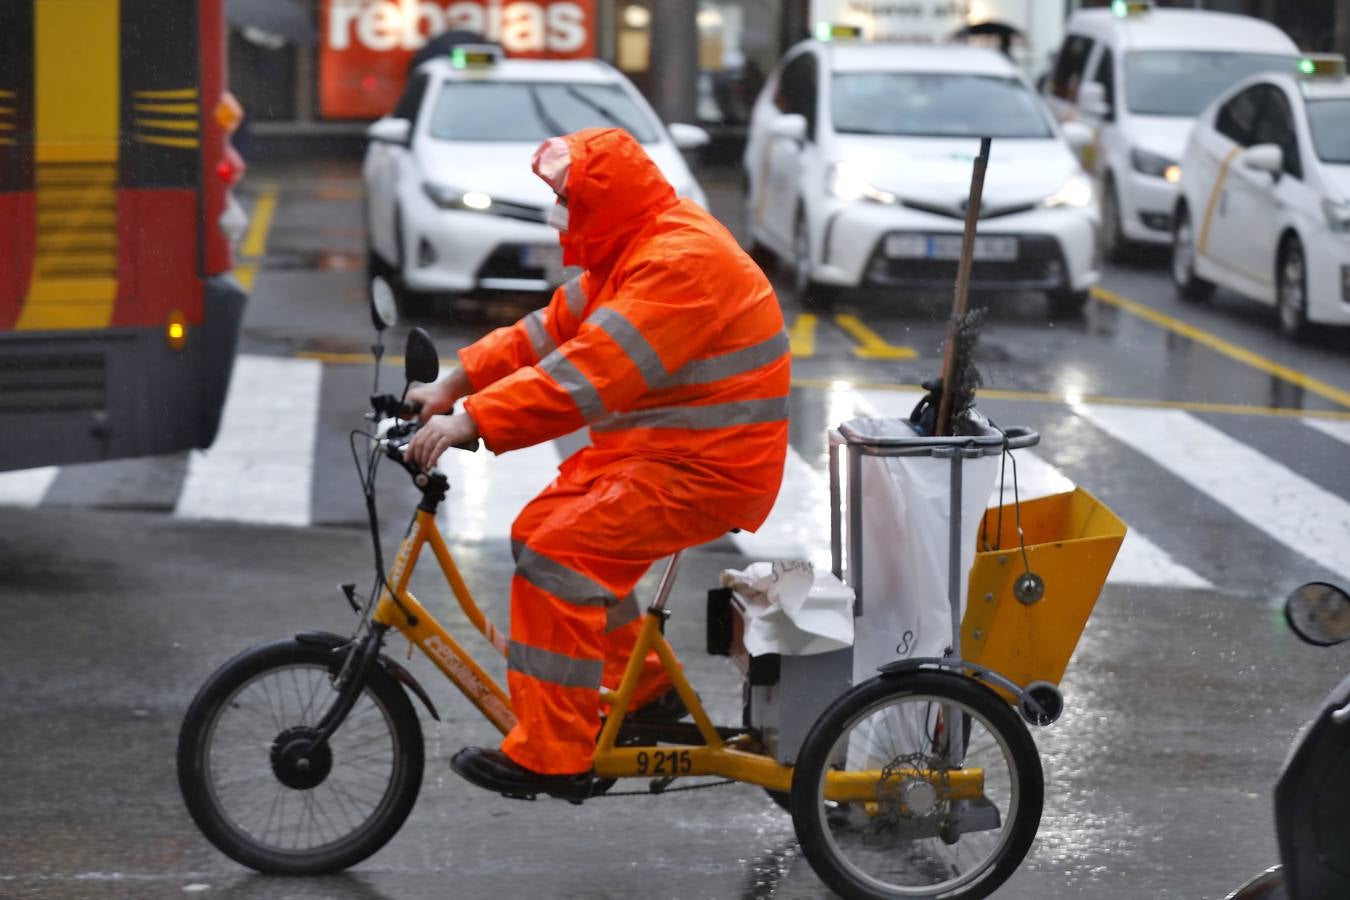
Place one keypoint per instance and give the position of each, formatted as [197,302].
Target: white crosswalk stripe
[1337,428]
[260,468]
[487,492]
[26,487]
[1263,492]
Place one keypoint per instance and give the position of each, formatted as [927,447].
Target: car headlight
[451,198]
[844,182]
[1077,191]
[1156,165]
[1337,213]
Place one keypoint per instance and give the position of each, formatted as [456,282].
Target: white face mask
[557,217]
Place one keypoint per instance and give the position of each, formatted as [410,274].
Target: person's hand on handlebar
[439,434]
[440,397]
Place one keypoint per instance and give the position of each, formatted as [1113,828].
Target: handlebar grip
[389,405]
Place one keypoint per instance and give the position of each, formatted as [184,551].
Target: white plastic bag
[906,525]
[792,609]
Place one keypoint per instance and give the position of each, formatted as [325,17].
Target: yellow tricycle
[305,755]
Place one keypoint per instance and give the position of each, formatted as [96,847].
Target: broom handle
[962,298]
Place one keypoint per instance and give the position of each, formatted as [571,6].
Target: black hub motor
[297,761]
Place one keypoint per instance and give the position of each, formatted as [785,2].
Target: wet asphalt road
[1181,700]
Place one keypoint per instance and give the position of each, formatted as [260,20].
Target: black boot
[668,707]
[493,770]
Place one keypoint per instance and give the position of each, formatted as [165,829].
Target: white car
[858,167]
[451,205]
[1138,76]
[1265,196]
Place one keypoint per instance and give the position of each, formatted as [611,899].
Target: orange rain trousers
[606,531]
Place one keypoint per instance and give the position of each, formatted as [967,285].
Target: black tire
[1066,304]
[765,258]
[226,692]
[1291,289]
[1189,285]
[810,293]
[989,723]
[1111,241]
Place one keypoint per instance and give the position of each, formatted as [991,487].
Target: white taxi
[1138,76]
[1265,196]
[858,166]
[451,205]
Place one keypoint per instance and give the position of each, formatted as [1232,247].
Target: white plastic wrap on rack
[792,609]
[906,527]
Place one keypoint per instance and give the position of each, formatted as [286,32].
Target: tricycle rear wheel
[937,818]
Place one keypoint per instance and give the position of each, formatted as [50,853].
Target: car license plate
[544,256]
[948,246]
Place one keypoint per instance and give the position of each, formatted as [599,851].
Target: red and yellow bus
[118,314]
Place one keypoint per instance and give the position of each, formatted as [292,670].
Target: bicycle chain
[651,793]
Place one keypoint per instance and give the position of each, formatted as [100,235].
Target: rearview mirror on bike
[1319,613]
[383,308]
[420,362]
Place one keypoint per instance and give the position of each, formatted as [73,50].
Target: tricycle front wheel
[924,784]
[266,793]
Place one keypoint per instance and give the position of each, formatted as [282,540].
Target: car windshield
[935,104]
[530,112]
[1183,82]
[1329,121]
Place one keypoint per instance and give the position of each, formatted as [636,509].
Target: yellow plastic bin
[1071,542]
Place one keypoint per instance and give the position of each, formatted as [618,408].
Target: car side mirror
[688,137]
[390,131]
[1263,158]
[420,361]
[1092,100]
[789,125]
[1319,613]
[1077,134]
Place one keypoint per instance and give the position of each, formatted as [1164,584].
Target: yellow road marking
[1231,350]
[870,344]
[255,241]
[802,336]
[1234,409]
[246,272]
[1214,198]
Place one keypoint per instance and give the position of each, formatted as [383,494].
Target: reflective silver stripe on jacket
[696,418]
[737,362]
[554,668]
[576,297]
[577,385]
[540,339]
[562,582]
[621,613]
[632,343]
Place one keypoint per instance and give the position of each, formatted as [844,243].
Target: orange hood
[614,190]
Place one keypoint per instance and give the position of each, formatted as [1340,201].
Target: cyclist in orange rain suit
[670,346]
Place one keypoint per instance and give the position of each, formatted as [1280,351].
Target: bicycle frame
[717,756]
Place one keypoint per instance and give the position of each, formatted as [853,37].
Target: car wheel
[1067,304]
[809,292]
[1292,289]
[1189,285]
[763,256]
[1112,239]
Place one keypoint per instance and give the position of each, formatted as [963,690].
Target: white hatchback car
[858,168]
[1138,76]
[451,205]
[1265,196]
